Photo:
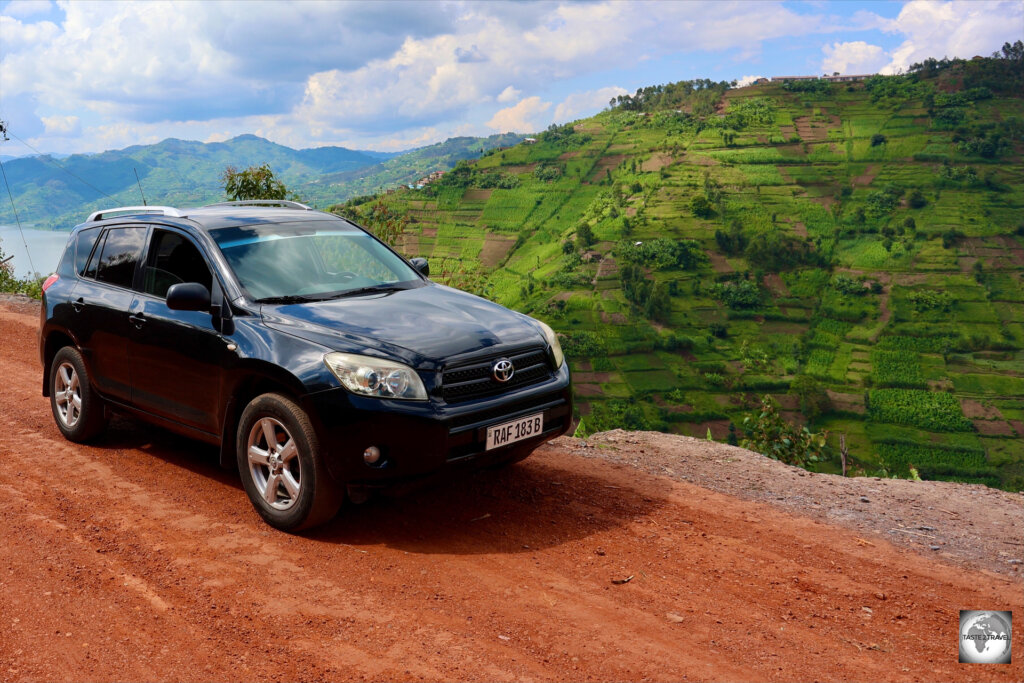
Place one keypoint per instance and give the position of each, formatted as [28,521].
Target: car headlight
[556,348]
[376,377]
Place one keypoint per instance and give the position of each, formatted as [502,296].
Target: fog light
[371,456]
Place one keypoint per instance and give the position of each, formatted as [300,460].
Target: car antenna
[4,138]
[140,186]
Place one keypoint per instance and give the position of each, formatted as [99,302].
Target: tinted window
[90,270]
[83,247]
[121,251]
[173,258]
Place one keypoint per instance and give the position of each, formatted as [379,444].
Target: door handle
[78,304]
[138,320]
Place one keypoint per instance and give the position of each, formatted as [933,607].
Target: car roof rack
[163,210]
[285,203]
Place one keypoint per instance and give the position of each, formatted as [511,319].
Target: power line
[49,160]
[23,241]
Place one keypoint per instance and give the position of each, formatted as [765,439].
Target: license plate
[516,430]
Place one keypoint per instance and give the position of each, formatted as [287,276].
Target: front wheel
[77,410]
[280,465]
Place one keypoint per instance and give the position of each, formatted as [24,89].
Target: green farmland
[700,247]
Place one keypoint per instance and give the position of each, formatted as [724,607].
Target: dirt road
[138,559]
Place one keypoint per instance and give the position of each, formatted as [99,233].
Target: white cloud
[746,80]
[952,29]
[27,8]
[855,57]
[62,125]
[587,103]
[522,118]
[509,94]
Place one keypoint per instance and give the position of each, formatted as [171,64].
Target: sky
[91,76]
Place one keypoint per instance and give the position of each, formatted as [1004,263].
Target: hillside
[855,251]
[188,173]
[174,172]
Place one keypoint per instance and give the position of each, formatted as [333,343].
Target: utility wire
[49,160]
[30,264]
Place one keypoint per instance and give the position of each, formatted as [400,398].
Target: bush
[877,139]
[547,173]
[769,434]
[742,294]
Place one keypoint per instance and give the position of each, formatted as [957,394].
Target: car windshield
[311,261]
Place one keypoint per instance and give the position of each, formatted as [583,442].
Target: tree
[701,207]
[769,434]
[814,401]
[584,236]
[916,200]
[877,139]
[255,182]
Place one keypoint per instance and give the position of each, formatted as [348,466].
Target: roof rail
[286,203]
[163,210]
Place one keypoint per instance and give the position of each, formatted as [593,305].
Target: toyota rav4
[318,359]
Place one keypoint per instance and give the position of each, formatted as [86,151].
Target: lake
[44,246]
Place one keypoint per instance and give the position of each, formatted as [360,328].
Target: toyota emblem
[503,370]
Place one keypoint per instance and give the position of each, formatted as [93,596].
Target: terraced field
[857,238]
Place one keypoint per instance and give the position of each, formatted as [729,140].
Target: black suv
[321,361]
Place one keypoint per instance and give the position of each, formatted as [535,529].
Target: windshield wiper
[289,299]
[383,287]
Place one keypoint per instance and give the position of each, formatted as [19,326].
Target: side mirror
[188,296]
[420,264]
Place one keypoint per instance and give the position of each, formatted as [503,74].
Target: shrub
[769,434]
[877,139]
[742,294]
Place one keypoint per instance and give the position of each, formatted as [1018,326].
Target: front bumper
[420,439]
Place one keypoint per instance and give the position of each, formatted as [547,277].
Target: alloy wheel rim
[274,463]
[67,394]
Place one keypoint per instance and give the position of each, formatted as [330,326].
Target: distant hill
[187,173]
[403,169]
[856,251]
[172,171]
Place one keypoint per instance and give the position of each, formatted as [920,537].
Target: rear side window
[120,255]
[83,247]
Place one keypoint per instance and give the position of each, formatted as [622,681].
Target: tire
[279,461]
[77,409]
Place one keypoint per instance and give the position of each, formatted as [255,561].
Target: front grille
[474,379]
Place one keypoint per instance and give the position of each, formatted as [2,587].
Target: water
[45,246]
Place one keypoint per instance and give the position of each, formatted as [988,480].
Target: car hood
[427,324]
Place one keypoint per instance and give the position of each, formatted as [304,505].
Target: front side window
[311,261]
[120,254]
[173,259]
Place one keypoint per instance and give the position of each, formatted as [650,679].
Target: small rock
[880,596]
[674,618]
[926,528]
[504,638]
[864,499]
[1016,562]
[599,551]
[934,547]
[868,610]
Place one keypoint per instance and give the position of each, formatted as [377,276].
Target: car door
[178,358]
[102,301]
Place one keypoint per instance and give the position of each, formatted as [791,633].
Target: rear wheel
[280,464]
[77,410]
